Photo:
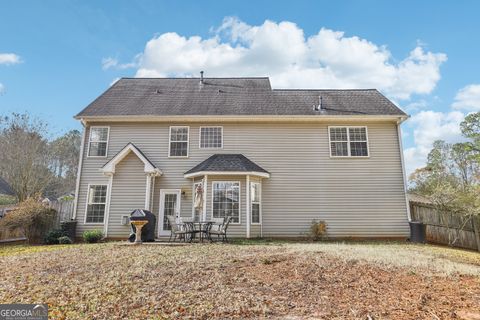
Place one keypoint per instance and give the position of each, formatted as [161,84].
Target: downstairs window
[226,200]
[96,203]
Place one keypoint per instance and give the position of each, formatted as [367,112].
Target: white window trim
[239,200]
[90,141]
[107,200]
[200,137]
[259,204]
[348,143]
[170,141]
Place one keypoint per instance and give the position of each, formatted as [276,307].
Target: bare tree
[64,162]
[24,154]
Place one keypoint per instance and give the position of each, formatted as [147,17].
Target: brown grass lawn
[244,280]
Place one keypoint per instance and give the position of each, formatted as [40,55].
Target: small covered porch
[131,184]
[229,185]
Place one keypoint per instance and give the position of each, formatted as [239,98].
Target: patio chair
[177,230]
[221,231]
[217,223]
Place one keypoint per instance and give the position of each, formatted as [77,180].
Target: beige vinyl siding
[357,197]
[128,193]
[90,174]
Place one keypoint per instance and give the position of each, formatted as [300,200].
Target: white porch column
[152,193]
[148,191]
[205,189]
[107,206]
[247,209]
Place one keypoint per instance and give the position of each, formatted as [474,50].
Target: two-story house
[272,159]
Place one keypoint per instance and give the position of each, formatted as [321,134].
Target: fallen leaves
[109,281]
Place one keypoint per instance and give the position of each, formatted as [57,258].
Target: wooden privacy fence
[64,211]
[445,228]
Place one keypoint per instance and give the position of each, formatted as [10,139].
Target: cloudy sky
[57,56]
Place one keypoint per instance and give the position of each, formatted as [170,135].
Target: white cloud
[109,63]
[416,106]
[114,81]
[328,59]
[468,98]
[9,58]
[428,127]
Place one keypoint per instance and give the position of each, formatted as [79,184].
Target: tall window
[255,193]
[226,200]
[98,142]
[348,141]
[211,137]
[96,203]
[178,142]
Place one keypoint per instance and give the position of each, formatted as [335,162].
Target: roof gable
[149,168]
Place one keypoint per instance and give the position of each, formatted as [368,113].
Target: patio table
[201,227]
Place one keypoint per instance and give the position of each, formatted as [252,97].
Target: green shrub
[6,200]
[65,240]
[318,229]
[92,236]
[53,236]
[31,218]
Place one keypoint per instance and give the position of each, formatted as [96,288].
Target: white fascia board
[227,173]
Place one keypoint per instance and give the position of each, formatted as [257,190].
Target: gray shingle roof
[227,162]
[230,96]
[5,188]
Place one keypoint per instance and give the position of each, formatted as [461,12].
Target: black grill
[148,230]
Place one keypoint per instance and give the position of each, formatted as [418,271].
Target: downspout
[247,200]
[400,143]
[79,170]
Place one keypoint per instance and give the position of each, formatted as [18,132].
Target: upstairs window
[98,142]
[178,142]
[348,141]
[211,137]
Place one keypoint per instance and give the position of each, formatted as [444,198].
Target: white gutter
[227,173]
[79,171]
[404,175]
[245,118]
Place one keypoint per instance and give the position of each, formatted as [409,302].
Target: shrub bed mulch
[108,281]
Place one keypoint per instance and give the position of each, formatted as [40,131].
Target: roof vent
[319,107]
[201,76]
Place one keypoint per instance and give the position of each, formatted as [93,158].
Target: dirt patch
[226,281]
